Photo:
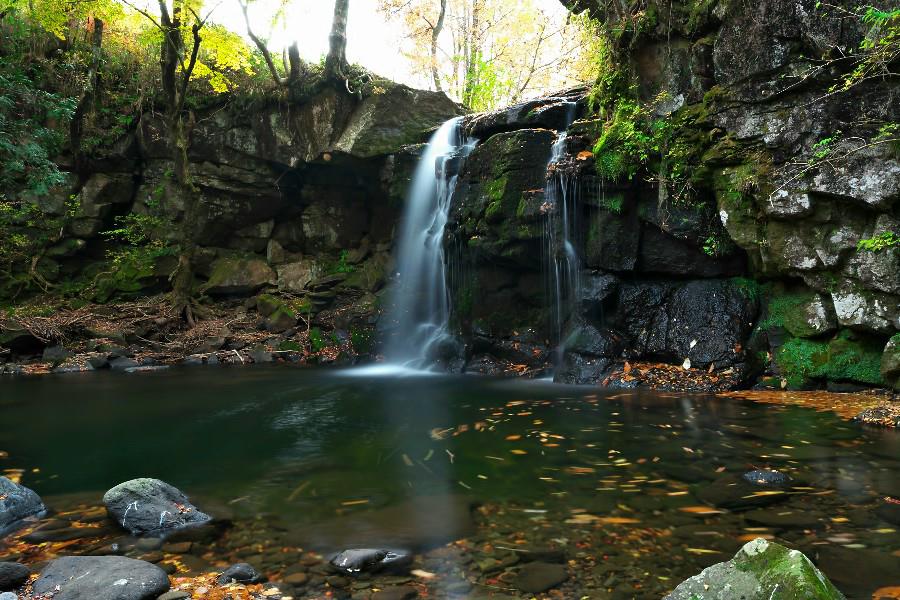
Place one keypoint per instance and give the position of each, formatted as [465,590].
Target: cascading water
[420,311]
[562,262]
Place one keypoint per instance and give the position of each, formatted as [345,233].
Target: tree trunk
[88,98]
[336,61]
[435,34]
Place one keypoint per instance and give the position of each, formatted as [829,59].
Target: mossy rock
[852,358]
[239,276]
[267,304]
[281,320]
[760,570]
[890,362]
[804,315]
[847,357]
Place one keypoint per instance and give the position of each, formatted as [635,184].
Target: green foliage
[317,342]
[613,203]
[290,346]
[624,144]
[883,241]
[879,49]
[340,265]
[29,131]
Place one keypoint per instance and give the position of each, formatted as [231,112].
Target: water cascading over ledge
[420,308]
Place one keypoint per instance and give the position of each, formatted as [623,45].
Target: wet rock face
[759,571]
[17,503]
[101,578]
[150,506]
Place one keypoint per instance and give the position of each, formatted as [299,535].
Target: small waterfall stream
[562,262]
[420,311]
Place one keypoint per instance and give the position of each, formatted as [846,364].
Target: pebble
[296,579]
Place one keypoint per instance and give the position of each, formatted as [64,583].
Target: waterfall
[420,311]
[562,263]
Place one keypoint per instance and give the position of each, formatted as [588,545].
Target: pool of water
[625,485]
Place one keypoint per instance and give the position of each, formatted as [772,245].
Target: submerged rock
[760,570]
[101,578]
[17,502]
[538,577]
[369,560]
[151,506]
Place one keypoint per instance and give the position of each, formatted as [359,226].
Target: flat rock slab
[101,578]
[17,502]
[146,505]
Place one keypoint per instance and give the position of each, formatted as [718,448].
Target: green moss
[290,346]
[845,358]
[800,360]
[613,203]
[750,288]
[853,359]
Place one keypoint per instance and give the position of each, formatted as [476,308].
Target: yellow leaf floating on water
[887,593]
[617,521]
[840,520]
[701,510]
[517,451]
[749,537]
[702,551]
[513,438]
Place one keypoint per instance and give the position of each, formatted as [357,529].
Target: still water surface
[368,459]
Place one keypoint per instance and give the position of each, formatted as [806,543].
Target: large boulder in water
[760,570]
[17,502]
[151,506]
[101,578]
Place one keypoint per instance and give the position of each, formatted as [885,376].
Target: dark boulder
[151,506]
[596,288]
[369,560]
[578,369]
[17,502]
[13,576]
[704,320]
[101,578]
